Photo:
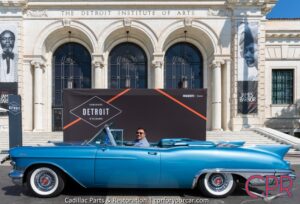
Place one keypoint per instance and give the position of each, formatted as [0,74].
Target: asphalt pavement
[74,194]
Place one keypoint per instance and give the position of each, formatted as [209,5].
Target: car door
[180,165]
[127,166]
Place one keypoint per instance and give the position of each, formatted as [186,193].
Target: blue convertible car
[104,162]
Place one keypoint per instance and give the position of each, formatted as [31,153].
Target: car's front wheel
[217,185]
[45,182]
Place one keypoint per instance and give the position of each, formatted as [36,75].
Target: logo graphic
[271,184]
[14,108]
[95,111]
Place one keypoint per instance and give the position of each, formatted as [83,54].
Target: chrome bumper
[292,176]
[16,176]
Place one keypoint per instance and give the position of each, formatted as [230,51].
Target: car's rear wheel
[45,182]
[217,185]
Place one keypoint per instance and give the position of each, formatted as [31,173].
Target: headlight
[13,164]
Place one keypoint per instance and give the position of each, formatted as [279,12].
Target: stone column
[27,96]
[38,95]
[158,75]
[226,94]
[216,96]
[98,74]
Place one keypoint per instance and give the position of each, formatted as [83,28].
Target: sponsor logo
[14,108]
[96,111]
[188,95]
[272,183]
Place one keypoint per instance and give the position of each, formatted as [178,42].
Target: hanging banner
[15,120]
[5,90]
[164,113]
[9,54]
[247,67]
[8,62]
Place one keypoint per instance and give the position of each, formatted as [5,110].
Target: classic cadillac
[105,162]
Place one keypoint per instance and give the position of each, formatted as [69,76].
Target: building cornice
[13,3]
[75,3]
[251,2]
[282,29]
[245,2]
[266,5]
[283,34]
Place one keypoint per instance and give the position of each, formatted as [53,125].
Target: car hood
[61,150]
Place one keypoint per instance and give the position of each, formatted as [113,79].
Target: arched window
[71,69]
[127,66]
[183,67]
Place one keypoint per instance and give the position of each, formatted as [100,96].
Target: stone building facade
[46,28]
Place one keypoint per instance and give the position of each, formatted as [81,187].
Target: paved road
[74,194]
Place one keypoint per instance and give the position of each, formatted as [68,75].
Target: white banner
[248,51]
[247,67]
[8,52]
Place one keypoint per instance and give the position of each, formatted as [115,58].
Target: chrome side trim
[246,173]
[16,176]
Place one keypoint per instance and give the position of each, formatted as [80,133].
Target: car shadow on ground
[14,190]
[80,191]
[74,189]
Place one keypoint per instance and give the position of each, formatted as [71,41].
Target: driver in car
[141,140]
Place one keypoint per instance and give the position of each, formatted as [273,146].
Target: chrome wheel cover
[218,183]
[44,181]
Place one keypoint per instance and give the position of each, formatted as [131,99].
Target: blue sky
[286,9]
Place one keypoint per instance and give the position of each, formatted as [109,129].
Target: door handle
[152,153]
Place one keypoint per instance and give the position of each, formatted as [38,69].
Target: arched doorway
[127,67]
[71,69]
[183,67]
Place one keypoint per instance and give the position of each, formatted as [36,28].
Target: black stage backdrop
[164,113]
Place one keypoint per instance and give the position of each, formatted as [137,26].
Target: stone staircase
[279,137]
[31,138]
[250,137]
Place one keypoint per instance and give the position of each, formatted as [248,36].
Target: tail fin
[279,150]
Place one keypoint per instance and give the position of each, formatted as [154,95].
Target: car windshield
[103,137]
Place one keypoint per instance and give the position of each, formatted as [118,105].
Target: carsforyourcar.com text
[151,200]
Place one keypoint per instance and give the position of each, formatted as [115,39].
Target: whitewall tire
[217,185]
[45,182]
